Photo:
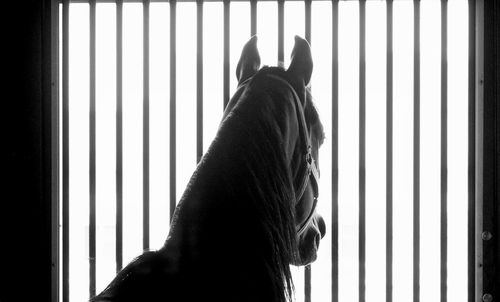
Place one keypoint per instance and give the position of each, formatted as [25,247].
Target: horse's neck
[216,236]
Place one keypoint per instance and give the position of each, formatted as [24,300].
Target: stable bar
[416,150]
[389,160]
[444,149]
[65,152]
[145,128]
[281,30]
[307,283]
[335,150]
[362,149]
[173,93]
[92,151]
[226,52]
[471,157]
[307,11]
[253,17]
[119,135]
[307,269]
[199,80]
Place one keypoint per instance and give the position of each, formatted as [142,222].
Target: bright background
[321,42]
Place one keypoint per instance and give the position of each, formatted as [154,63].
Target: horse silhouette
[248,211]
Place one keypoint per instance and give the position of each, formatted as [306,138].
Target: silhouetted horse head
[248,211]
[303,143]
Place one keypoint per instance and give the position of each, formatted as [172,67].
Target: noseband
[310,172]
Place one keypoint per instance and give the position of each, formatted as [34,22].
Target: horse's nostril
[321,226]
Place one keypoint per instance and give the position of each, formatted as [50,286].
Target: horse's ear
[249,62]
[301,65]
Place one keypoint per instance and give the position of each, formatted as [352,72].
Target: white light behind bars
[321,40]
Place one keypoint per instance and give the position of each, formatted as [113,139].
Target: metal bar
[226,52]
[65,152]
[51,152]
[487,29]
[92,152]
[173,93]
[335,150]
[307,283]
[119,135]
[416,150]
[471,158]
[308,268]
[444,149]
[281,30]
[481,169]
[199,80]
[253,17]
[389,158]
[307,11]
[362,149]
[145,128]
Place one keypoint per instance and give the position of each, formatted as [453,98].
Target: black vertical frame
[487,150]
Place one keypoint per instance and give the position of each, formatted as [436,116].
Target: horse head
[309,136]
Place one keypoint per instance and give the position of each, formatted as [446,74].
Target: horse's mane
[269,178]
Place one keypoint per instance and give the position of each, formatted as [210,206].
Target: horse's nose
[321,225]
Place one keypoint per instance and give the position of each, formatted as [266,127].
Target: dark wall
[24,206]
[491,223]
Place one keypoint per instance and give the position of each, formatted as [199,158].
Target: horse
[248,211]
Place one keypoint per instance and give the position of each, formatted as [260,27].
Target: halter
[310,168]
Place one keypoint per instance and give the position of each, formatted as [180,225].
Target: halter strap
[310,169]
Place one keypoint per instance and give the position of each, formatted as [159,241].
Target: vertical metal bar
[199,80]
[281,30]
[307,283]
[119,135]
[51,107]
[145,127]
[444,149]
[362,148]
[308,268]
[92,152]
[389,160]
[253,17]
[335,150]
[481,145]
[307,11]
[65,152]
[173,93]
[471,158]
[226,52]
[416,150]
